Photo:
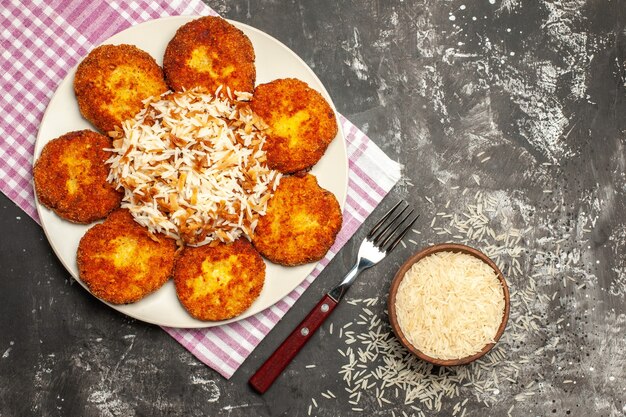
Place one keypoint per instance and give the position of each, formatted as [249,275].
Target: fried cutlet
[120,262]
[71,177]
[209,52]
[112,81]
[301,123]
[301,222]
[219,282]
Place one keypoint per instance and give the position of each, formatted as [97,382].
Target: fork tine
[387,229]
[389,234]
[381,221]
[397,240]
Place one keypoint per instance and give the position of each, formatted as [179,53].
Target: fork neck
[339,291]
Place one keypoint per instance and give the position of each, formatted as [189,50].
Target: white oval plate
[273,60]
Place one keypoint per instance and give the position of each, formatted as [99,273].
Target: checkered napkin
[42,41]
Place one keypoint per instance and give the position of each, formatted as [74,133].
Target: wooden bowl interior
[391,301]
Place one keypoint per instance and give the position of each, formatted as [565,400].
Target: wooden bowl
[391,301]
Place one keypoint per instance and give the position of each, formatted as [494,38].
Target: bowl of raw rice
[449,304]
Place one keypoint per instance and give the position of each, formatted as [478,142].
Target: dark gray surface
[538,88]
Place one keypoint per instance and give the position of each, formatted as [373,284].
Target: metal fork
[381,240]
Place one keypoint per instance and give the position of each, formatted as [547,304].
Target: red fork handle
[275,364]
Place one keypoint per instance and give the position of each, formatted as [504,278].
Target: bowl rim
[393,290]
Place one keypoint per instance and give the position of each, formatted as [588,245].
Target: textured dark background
[522,101]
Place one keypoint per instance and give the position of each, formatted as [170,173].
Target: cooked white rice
[193,167]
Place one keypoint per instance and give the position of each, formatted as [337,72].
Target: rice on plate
[193,166]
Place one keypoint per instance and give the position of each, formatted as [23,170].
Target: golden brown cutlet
[219,282]
[120,262]
[112,81]
[301,123]
[301,222]
[209,52]
[71,177]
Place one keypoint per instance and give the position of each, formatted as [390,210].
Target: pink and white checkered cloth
[42,41]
